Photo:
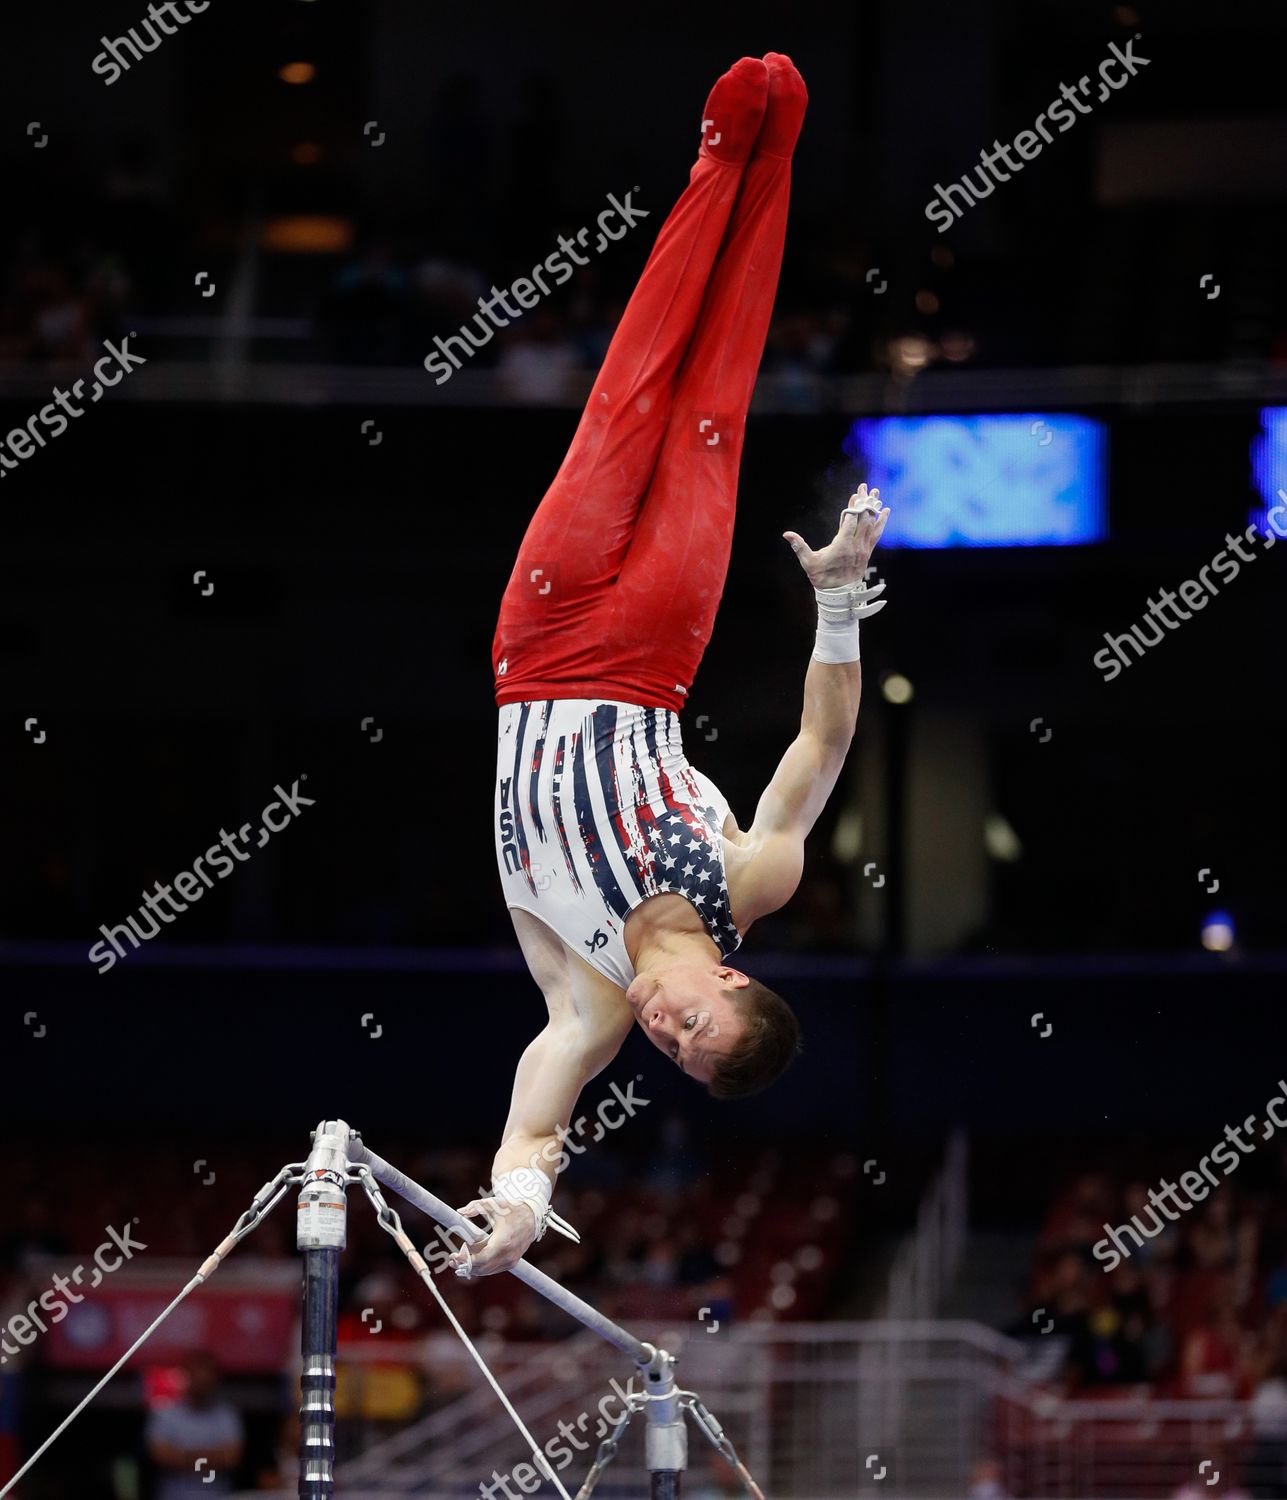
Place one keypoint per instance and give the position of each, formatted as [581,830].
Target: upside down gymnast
[626,874]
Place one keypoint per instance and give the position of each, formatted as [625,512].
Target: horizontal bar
[389,1176]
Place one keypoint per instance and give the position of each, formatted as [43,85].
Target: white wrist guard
[839,610]
[529,1186]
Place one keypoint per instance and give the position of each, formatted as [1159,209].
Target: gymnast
[628,879]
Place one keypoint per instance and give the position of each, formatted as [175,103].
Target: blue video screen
[1007,480]
[1269,468]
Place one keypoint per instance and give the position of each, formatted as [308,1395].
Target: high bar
[643,1354]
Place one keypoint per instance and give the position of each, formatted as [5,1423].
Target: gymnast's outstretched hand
[844,559]
[511,1229]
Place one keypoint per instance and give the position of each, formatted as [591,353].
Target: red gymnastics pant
[619,576]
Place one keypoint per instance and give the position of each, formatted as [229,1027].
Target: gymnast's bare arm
[793,800]
[588,1021]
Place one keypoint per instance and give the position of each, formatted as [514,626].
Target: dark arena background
[1015,1223]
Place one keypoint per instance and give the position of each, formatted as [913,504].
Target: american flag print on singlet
[596,809]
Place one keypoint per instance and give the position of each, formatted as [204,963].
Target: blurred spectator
[1062,1291]
[378,1301]
[197,1443]
[537,362]
[1076,1221]
[59,325]
[1209,1244]
[366,312]
[661,1263]
[1215,1356]
[1146,1340]
[985,1481]
[798,350]
[1164,1244]
[379,1379]
[1111,1348]
[107,293]
[43,317]
[449,291]
[1267,1465]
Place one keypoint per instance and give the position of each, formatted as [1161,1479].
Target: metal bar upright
[321,1233]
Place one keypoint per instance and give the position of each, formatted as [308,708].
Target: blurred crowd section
[1197,1311]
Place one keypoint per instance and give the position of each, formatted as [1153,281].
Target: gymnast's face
[690,1012]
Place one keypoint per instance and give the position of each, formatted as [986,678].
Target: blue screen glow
[1012,480]
[1268,465]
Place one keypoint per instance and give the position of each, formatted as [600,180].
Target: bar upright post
[666,1434]
[323,1214]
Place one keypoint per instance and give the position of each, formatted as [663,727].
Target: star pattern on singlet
[675,841]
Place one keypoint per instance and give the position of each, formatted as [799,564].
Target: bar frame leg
[318,1325]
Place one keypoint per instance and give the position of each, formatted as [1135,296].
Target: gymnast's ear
[734,978]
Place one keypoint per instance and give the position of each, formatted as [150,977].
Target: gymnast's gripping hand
[843,561]
[511,1229]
